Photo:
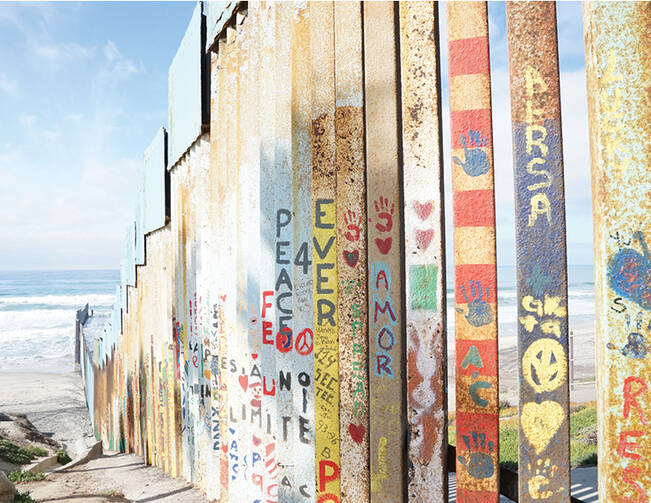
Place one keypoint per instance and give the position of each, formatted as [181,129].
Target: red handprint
[352,222]
[384,214]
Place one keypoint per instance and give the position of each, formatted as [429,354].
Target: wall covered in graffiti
[279,334]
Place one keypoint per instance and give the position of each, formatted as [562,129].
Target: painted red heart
[357,432]
[423,210]
[254,356]
[424,238]
[225,448]
[256,440]
[351,257]
[244,382]
[384,245]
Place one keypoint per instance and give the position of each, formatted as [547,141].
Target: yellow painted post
[618,69]
[324,253]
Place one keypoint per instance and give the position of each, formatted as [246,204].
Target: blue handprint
[636,344]
[476,162]
[479,312]
[479,464]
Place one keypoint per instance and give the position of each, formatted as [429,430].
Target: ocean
[37,312]
[37,315]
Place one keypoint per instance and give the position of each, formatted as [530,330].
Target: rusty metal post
[618,68]
[351,235]
[324,254]
[544,467]
[424,249]
[475,271]
[385,320]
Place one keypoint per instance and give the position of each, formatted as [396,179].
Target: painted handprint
[352,222]
[476,160]
[479,463]
[384,213]
[629,272]
[636,346]
[480,312]
[543,473]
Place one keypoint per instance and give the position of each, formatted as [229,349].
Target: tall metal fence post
[385,313]
[424,237]
[544,467]
[475,270]
[618,69]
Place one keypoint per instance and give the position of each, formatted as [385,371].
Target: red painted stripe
[474,208]
[475,496]
[468,56]
[487,352]
[464,121]
[481,423]
[479,273]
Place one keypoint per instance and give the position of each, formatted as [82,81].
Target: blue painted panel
[217,15]
[117,312]
[130,255]
[155,161]
[123,284]
[188,87]
[139,252]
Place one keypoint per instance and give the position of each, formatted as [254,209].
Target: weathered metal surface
[385,320]
[156,178]
[267,27]
[618,68]
[301,354]
[188,98]
[544,468]
[218,14]
[284,329]
[324,255]
[351,266]
[424,245]
[475,272]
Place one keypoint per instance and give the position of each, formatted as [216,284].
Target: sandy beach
[54,403]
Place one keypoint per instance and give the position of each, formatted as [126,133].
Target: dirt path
[112,478]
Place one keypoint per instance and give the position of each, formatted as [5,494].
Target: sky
[83,90]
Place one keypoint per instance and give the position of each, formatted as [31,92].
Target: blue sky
[83,89]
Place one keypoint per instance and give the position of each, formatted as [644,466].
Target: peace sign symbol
[284,340]
[304,342]
[544,366]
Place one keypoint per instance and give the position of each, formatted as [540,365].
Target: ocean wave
[36,319]
[78,301]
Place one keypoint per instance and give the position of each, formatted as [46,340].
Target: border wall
[279,333]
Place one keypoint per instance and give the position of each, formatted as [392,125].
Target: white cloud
[7,84]
[57,54]
[73,117]
[117,66]
[27,120]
